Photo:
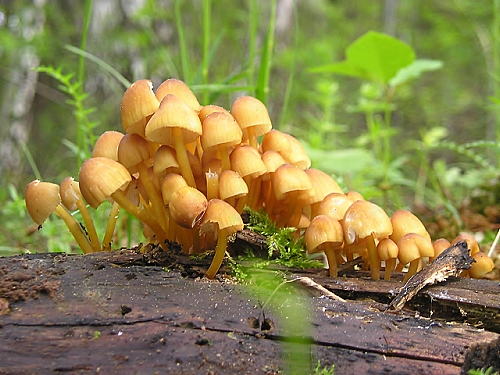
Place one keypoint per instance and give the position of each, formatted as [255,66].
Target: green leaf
[415,70]
[374,56]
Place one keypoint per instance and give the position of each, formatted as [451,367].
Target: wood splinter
[451,262]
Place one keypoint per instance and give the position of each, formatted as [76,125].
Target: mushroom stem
[110,227]
[89,224]
[142,215]
[154,197]
[412,269]
[224,157]
[390,265]
[373,257]
[182,158]
[332,262]
[75,229]
[220,250]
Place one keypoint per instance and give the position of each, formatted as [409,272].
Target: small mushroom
[252,117]
[482,266]
[325,234]
[138,104]
[43,199]
[175,124]
[364,222]
[412,248]
[387,251]
[222,220]
[102,178]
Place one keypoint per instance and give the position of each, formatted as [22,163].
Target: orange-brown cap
[138,104]
[173,113]
[181,90]
[187,206]
[323,231]
[364,218]
[100,177]
[404,222]
[107,145]
[41,198]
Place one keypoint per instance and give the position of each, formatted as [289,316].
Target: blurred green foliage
[441,146]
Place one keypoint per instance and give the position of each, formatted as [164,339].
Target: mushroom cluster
[187,171]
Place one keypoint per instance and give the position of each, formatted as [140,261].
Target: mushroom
[325,234]
[175,124]
[387,251]
[171,182]
[252,116]
[289,183]
[482,266]
[187,206]
[439,245]
[72,199]
[181,90]
[222,220]
[107,145]
[412,248]
[231,187]
[138,104]
[404,222]
[364,222]
[211,108]
[220,132]
[42,199]
[102,178]
[165,162]
[246,161]
[323,184]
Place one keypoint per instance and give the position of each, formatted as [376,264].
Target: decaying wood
[132,312]
[451,262]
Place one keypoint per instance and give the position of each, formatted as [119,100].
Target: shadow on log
[127,312]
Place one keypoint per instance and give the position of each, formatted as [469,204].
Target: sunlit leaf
[415,70]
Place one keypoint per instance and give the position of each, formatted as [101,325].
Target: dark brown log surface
[118,313]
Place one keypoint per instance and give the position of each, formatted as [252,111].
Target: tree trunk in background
[390,17]
[18,93]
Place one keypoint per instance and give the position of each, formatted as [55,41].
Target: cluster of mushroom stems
[187,171]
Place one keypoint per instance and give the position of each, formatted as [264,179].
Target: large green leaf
[373,56]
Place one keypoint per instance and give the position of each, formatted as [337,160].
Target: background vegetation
[445,125]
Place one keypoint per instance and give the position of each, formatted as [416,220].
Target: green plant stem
[252,37]
[262,90]
[207,5]
[186,69]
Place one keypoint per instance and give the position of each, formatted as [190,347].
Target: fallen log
[150,312]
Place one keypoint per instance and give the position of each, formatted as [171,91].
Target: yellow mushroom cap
[133,150]
[471,242]
[165,161]
[289,178]
[107,145]
[231,185]
[138,103]
[276,140]
[404,222]
[41,199]
[187,205]
[173,113]
[298,156]
[323,184]
[220,216]
[70,193]
[413,246]
[170,184]
[323,231]
[440,245]
[354,196]
[246,161]
[363,219]
[251,112]
[100,177]
[219,129]
[387,249]
[482,266]
[211,108]
[181,90]
[334,205]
